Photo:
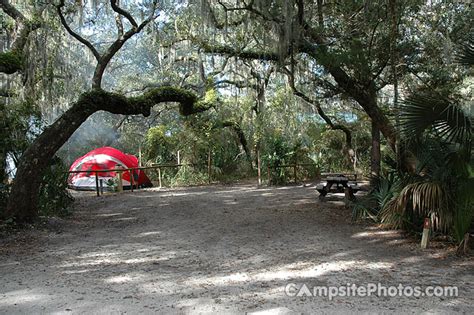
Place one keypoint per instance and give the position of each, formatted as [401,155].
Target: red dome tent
[105,158]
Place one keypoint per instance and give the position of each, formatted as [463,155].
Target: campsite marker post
[97,183]
[426,233]
[120,183]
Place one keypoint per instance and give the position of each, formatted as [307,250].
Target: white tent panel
[88,183]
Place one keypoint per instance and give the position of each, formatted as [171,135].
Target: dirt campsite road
[225,249]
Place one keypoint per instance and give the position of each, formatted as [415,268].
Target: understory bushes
[436,182]
[54,198]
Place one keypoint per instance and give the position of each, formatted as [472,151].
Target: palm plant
[466,57]
[385,187]
[440,185]
[438,133]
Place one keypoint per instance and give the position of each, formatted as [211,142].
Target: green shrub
[54,198]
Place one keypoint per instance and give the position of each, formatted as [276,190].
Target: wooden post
[140,155]
[159,176]
[179,160]
[259,177]
[97,183]
[131,179]
[120,182]
[294,173]
[209,166]
[268,175]
[426,233]
[101,184]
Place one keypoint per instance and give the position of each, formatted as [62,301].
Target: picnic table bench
[343,183]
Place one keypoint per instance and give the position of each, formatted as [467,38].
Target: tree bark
[3,145]
[242,139]
[11,61]
[365,94]
[23,200]
[375,152]
[348,149]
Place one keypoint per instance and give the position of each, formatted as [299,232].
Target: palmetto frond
[392,215]
[428,199]
[465,208]
[466,57]
[430,111]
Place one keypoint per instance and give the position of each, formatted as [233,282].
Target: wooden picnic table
[342,183]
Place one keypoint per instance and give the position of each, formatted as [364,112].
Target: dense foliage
[253,86]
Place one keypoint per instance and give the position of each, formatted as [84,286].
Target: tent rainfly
[105,158]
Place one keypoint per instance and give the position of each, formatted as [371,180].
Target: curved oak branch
[73,33]
[23,200]
[11,61]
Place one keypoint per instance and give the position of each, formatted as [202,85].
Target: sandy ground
[219,249]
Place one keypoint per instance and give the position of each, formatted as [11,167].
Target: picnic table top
[337,179]
[340,175]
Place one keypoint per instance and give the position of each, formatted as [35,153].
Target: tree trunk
[242,139]
[375,152]
[3,145]
[363,93]
[261,85]
[23,200]
[243,143]
[258,161]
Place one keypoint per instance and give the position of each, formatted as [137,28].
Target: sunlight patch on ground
[162,287]
[13,263]
[296,270]
[126,219]
[105,215]
[230,202]
[291,271]
[147,234]
[112,261]
[273,311]
[286,187]
[124,278]
[90,262]
[344,254]
[179,194]
[97,254]
[201,306]
[385,234]
[94,259]
[413,259]
[71,272]
[21,297]
[240,189]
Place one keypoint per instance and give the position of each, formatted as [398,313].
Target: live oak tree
[330,52]
[298,32]
[354,45]
[23,199]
